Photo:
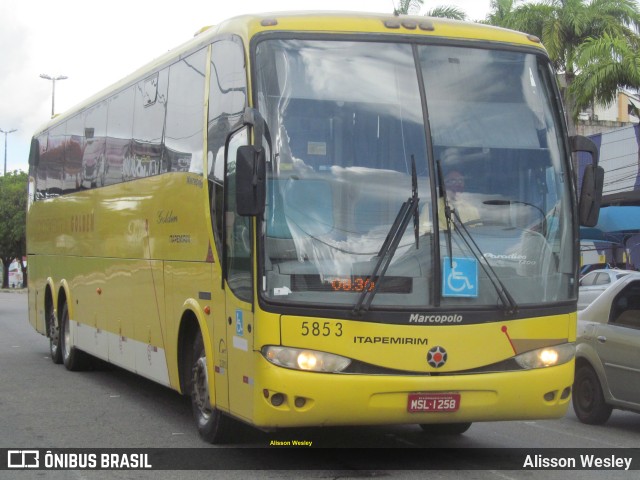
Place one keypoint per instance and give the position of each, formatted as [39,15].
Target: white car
[596,282]
[608,353]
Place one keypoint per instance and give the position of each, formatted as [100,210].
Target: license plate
[433,402]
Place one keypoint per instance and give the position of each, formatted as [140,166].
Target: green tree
[565,26]
[406,7]
[606,64]
[13,211]
[500,12]
[444,11]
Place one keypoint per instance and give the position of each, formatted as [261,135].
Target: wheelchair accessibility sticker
[460,277]
[239,323]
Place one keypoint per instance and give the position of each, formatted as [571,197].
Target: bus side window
[227,100]
[94,154]
[40,167]
[54,160]
[183,126]
[118,165]
[74,149]
[148,122]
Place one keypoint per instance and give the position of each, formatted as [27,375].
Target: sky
[95,44]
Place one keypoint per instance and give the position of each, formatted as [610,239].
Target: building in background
[624,112]
[615,129]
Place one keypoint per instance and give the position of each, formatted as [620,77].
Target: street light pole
[53,91]
[6,132]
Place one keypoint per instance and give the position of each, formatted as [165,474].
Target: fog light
[300,402]
[565,393]
[277,399]
[549,396]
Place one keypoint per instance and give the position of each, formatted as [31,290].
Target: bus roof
[246,26]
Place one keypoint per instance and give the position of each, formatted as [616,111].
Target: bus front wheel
[213,425]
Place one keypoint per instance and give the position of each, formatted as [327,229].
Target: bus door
[238,258]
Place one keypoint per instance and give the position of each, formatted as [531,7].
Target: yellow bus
[320,219]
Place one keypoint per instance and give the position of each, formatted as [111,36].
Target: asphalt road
[44,406]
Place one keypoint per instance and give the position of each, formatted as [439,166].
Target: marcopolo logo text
[421,318]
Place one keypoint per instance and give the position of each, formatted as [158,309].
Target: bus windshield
[348,120]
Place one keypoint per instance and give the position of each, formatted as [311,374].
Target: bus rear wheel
[72,358]
[445,428]
[53,327]
[213,425]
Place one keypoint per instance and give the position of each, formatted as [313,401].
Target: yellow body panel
[131,257]
[382,399]
[349,399]
[404,347]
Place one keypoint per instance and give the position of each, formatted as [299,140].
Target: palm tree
[500,11]
[606,64]
[447,12]
[566,25]
[406,7]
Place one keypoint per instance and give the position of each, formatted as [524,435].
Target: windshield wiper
[447,210]
[385,255]
[452,217]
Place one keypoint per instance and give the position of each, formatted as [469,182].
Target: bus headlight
[547,357]
[303,359]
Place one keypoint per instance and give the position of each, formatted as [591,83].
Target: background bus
[263,219]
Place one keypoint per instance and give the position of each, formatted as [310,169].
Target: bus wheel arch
[213,425]
[189,327]
[194,367]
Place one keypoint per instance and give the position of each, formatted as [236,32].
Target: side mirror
[592,182]
[584,144]
[591,195]
[250,180]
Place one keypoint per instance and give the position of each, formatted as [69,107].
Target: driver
[454,184]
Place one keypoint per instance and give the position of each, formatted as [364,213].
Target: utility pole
[53,92]
[6,132]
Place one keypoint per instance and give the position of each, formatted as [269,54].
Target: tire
[445,428]
[72,358]
[213,425]
[53,329]
[588,399]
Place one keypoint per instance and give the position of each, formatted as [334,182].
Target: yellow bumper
[315,399]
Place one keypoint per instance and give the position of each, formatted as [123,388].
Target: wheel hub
[201,387]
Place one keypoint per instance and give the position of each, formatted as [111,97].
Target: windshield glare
[347,120]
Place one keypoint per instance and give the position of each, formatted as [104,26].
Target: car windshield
[348,120]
